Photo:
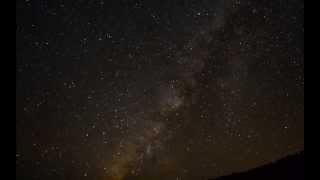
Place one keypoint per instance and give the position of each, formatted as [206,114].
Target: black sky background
[157,89]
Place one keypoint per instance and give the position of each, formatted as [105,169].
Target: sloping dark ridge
[290,167]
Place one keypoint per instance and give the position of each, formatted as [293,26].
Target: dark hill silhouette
[291,167]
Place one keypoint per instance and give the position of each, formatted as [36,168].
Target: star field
[134,89]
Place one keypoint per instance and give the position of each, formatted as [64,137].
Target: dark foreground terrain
[291,167]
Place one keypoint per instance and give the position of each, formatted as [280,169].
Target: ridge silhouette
[290,167]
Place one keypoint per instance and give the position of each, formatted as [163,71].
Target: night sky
[170,90]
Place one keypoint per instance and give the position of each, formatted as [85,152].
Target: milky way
[132,89]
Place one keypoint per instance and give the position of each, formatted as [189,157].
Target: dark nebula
[132,89]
